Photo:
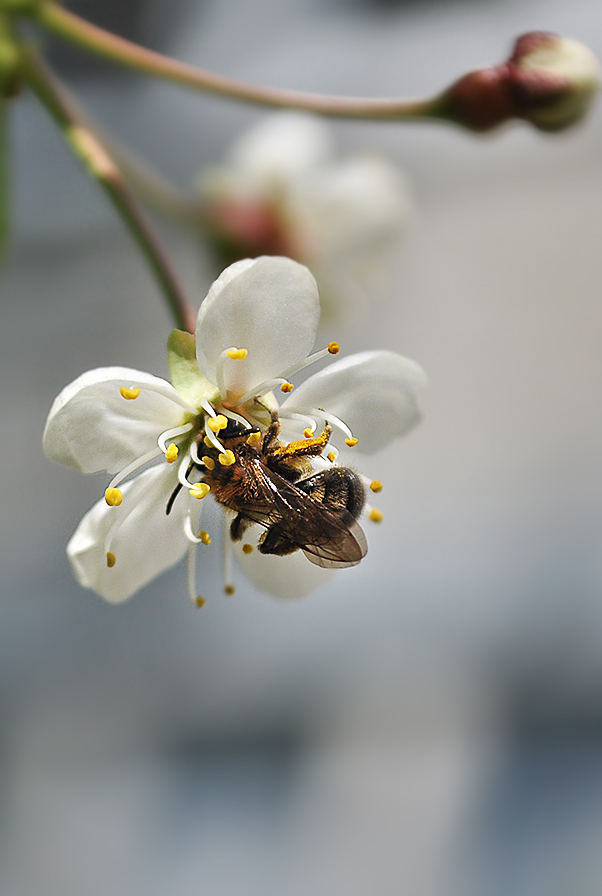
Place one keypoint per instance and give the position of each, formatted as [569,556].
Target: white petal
[92,427]
[286,577]
[374,393]
[267,305]
[145,541]
[281,147]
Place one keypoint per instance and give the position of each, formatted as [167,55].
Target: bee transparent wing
[347,551]
[330,539]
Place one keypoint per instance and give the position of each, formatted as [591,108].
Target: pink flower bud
[549,81]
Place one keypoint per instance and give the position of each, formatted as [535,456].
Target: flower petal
[286,577]
[281,147]
[145,541]
[352,209]
[374,393]
[92,427]
[267,305]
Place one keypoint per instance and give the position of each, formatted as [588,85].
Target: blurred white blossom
[283,190]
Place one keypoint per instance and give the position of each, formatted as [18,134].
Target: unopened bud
[549,81]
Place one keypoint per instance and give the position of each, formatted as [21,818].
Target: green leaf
[184,371]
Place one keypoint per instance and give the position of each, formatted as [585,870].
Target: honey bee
[272,483]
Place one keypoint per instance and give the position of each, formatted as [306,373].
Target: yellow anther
[217,423]
[375,515]
[229,590]
[200,602]
[129,393]
[376,486]
[286,387]
[227,458]
[208,442]
[237,354]
[113,497]
[247,548]
[334,348]
[111,559]
[209,462]
[331,456]
[254,440]
[172,453]
[200,490]
[205,537]
[351,442]
[308,433]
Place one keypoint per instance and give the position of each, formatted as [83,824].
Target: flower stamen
[132,467]
[129,393]
[111,559]
[200,490]
[235,354]
[217,423]
[227,458]
[113,497]
[333,348]
[172,452]
[188,531]
[172,434]
[229,588]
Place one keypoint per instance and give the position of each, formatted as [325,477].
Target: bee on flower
[233,426]
[283,191]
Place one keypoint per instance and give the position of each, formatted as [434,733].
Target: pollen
[209,462]
[217,423]
[247,548]
[254,440]
[111,559]
[205,537]
[308,433]
[199,602]
[237,354]
[208,442]
[113,497]
[376,486]
[229,590]
[331,456]
[286,387]
[375,515]
[351,442]
[334,348]
[227,458]
[129,394]
[200,490]
[171,454]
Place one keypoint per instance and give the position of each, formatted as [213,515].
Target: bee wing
[329,539]
[347,549]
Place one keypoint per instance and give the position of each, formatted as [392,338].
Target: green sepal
[184,371]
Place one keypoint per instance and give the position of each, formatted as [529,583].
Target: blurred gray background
[430,724]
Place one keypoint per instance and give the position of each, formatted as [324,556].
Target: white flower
[283,191]
[255,329]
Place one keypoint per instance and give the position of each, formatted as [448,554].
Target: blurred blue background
[431,723]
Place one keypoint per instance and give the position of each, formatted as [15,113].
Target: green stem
[97,40]
[103,169]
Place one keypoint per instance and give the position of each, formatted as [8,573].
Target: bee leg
[239,526]
[274,542]
[272,432]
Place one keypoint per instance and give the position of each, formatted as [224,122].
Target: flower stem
[117,49]
[88,148]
